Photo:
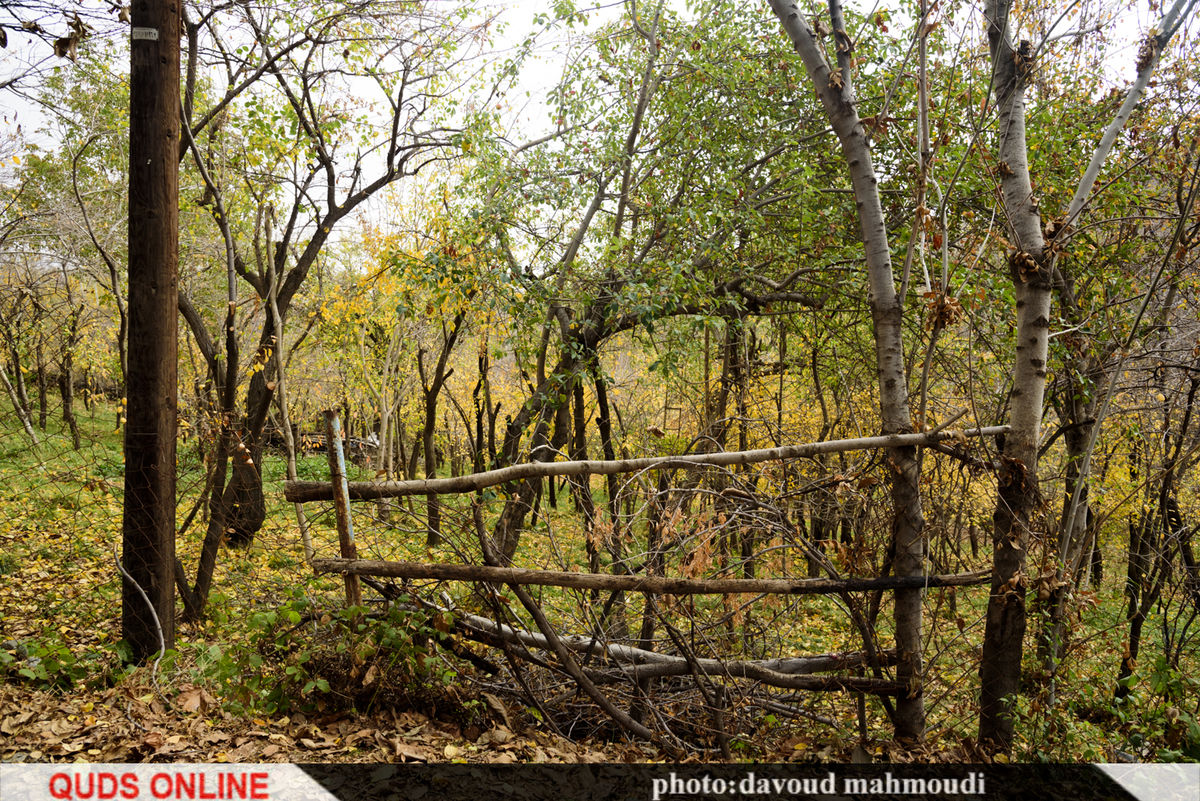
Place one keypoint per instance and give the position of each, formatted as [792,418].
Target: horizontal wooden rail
[657,585]
[304,491]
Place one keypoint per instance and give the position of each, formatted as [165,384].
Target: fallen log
[788,672]
[304,491]
[738,670]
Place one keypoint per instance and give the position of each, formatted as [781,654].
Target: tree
[284,161]
[624,217]
[1033,269]
[72,212]
[834,86]
[22,307]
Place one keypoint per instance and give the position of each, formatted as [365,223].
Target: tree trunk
[22,412]
[433,509]
[408,467]
[19,384]
[66,381]
[1074,546]
[886,314]
[281,399]
[1018,495]
[1097,558]
[43,399]
[196,597]
[581,485]
[148,533]
[431,386]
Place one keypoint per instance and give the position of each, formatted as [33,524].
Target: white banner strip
[159,782]
[1159,782]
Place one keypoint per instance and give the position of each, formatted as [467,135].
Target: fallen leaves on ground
[125,724]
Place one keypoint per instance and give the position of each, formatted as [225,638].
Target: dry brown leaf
[10,724]
[408,753]
[60,727]
[189,700]
[361,734]
[245,753]
[498,706]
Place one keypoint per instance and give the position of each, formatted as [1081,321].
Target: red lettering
[183,786]
[86,786]
[106,785]
[60,786]
[235,783]
[161,785]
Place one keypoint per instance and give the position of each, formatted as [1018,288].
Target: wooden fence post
[341,502]
[151,368]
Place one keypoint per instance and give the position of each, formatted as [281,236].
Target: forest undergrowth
[280,671]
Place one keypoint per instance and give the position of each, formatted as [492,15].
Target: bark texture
[1018,497]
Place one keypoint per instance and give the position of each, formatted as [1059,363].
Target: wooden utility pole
[148,534]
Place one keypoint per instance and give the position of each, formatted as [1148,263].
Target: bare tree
[406,56]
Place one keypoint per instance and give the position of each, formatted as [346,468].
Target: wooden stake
[341,502]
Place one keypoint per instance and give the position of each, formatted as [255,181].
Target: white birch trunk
[1017,497]
[886,315]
